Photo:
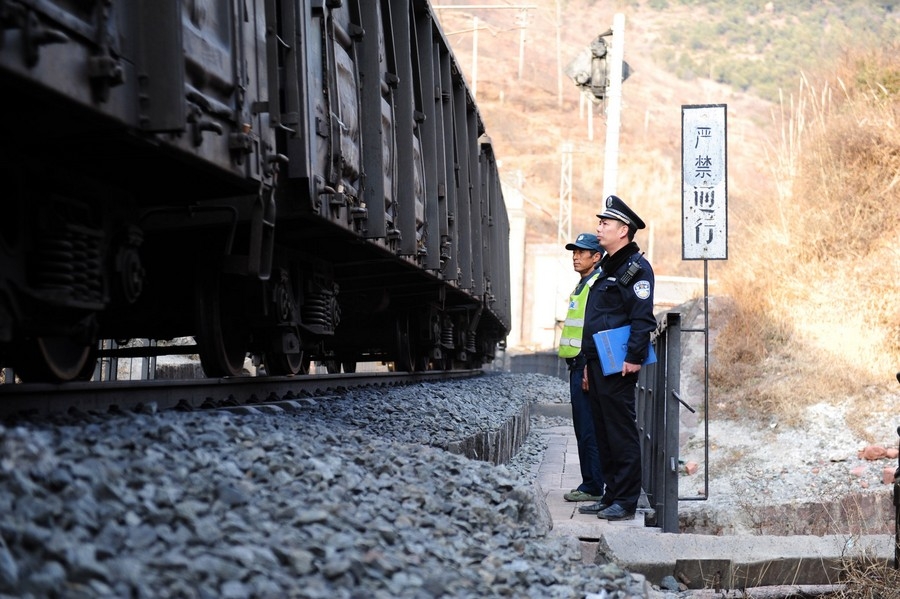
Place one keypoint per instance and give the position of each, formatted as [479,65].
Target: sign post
[704,183]
[704,211]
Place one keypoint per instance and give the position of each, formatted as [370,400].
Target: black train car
[293,181]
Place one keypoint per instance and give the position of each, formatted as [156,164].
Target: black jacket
[613,303]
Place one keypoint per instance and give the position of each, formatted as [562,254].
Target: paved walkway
[732,561]
[559,473]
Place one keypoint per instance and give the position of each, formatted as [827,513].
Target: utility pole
[523,23]
[564,224]
[475,56]
[559,69]
[600,76]
[614,106]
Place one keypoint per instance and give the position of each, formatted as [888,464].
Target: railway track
[29,400]
[361,494]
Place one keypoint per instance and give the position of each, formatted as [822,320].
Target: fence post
[659,425]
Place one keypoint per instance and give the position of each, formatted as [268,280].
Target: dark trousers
[583,422]
[615,420]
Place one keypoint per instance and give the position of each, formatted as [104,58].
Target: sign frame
[704,182]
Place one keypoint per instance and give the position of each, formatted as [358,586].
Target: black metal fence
[658,422]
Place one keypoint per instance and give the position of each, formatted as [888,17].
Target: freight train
[287,180]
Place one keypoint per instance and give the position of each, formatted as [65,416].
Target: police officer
[622,295]
[586,254]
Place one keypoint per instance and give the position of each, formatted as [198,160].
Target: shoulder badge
[642,289]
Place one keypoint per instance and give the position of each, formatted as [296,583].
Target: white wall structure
[549,278]
[515,202]
[540,278]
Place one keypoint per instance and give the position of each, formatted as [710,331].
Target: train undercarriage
[75,280]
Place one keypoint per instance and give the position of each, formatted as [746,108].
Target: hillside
[532,109]
[529,120]
[813,97]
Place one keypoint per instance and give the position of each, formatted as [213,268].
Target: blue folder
[612,345]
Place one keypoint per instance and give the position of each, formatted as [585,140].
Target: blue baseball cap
[585,241]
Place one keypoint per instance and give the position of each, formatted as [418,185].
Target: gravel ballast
[339,497]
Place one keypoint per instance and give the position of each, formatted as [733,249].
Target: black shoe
[594,508]
[615,512]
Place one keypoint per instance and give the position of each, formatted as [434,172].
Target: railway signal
[591,71]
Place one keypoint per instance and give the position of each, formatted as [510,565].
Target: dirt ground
[764,476]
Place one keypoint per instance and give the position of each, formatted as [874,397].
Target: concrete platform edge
[698,561]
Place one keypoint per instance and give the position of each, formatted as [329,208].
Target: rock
[873,452]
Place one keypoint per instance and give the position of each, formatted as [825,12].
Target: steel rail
[27,400]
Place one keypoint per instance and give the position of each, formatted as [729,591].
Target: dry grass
[870,579]
[815,310]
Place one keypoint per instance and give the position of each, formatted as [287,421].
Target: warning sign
[704,182]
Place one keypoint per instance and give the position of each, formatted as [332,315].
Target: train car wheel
[278,364]
[53,360]
[404,360]
[408,358]
[348,365]
[221,332]
[90,365]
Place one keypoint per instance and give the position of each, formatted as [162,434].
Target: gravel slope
[779,480]
[336,499]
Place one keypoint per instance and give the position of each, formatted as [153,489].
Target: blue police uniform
[623,295]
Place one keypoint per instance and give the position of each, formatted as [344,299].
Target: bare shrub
[816,312]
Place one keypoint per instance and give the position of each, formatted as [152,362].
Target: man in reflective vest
[586,254]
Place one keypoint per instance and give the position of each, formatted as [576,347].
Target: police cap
[619,210]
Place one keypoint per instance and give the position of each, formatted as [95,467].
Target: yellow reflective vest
[570,339]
